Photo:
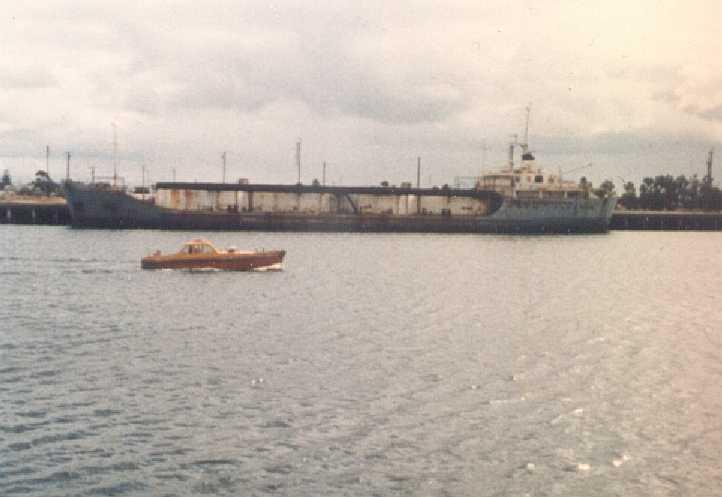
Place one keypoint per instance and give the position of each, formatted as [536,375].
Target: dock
[666,220]
[18,209]
[54,211]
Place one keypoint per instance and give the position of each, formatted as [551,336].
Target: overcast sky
[633,87]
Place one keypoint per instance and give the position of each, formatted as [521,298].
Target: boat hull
[227,261]
[91,208]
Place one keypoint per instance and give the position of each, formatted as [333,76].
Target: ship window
[199,249]
[539,179]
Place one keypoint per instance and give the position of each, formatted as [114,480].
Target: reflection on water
[371,365]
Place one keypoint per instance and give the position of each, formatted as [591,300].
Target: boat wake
[272,267]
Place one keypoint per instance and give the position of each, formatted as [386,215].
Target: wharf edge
[622,220]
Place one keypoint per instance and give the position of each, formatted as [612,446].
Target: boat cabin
[199,246]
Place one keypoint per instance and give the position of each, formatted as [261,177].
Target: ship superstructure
[527,180]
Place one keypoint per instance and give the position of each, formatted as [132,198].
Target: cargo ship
[520,198]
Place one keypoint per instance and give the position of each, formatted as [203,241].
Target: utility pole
[92,174]
[47,160]
[223,156]
[484,148]
[323,177]
[115,154]
[67,166]
[298,159]
[710,156]
[418,172]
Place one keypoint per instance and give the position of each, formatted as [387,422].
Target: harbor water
[424,365]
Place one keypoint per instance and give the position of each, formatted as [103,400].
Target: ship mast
[511,152]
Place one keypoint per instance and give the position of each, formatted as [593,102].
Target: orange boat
[201,254]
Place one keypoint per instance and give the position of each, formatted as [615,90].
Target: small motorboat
[202,254]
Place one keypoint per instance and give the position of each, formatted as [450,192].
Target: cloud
[712,114]
[701,95]
[251,70]
[371,83]
[27,78]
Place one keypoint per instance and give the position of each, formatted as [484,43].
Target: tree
[606,189]
[646,193]
[689,196]
[665,192]
[6,180]
[710,197]
[629,197]
[43,184]
[669,191]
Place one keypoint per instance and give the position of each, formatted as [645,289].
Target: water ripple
[369,366]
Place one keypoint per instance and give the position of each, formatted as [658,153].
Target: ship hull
[91,208]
